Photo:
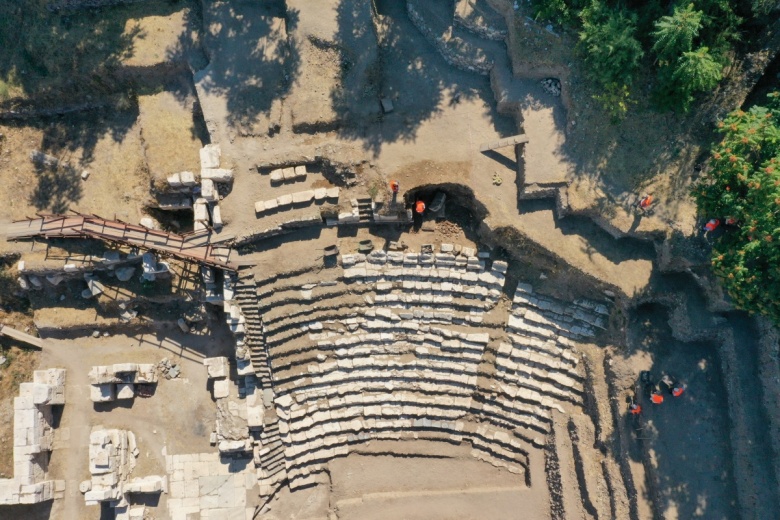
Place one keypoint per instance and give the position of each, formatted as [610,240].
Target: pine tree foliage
[674,34]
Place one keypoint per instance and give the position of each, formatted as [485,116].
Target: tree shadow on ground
[67,55]
[72,139]
[252,62]
[399,64]
[598,240]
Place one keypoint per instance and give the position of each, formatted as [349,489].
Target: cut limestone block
[320,194]
[199,226]
[174,181]
[333,193]
[277,176]
[102,393]
[125,391]
[300,173]
[221,388]
[208,190]
[271,205]
[302,197]
[217,367]
[216,216]
[288,174]
[259,206]
[200,211]
[284,200]
[217,174]
[209,156]
[187,178]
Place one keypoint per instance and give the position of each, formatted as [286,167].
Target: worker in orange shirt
[394,187]
[657,398]
[419,207]
[678,390]
[645,202]
[634,409]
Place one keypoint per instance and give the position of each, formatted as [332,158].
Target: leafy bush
[743,183]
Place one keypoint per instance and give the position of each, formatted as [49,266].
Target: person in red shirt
[657,398]
[712,225]
[634,409]
[678,390]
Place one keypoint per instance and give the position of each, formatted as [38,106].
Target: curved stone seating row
[430,353]
[577,321]
[520,365]
[313,435]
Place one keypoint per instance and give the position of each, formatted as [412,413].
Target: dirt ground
[683,444]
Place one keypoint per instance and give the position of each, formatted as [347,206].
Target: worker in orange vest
[419,207]
[657,398]
[634,409]
[394,187]
[645,202]
[712,225]
[678,390]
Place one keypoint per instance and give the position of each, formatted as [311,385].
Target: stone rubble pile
[112,455]
[235,419]
[33,436]
[168,369]
[551,86]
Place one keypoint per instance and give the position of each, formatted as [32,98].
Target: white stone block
[209,156]
[217,367]
[216,216]
[174,181]
[216,174]
[125,391]
[221,388]
[208,190]
[187,178]
[303,197]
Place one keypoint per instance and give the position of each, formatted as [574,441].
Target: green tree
[612,54]
[609,44]
[743,182]
[695,71]
[674,34]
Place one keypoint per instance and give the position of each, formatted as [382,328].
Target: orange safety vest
[646,202]
[678,391]
[657,398]
[712,225]
[635,409]
[420,207]
[394,186]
